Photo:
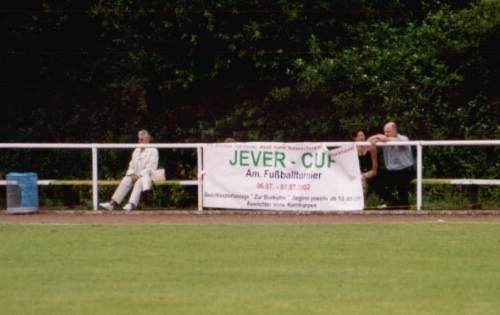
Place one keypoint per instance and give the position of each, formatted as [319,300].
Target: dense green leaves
[427,76]
[254,70]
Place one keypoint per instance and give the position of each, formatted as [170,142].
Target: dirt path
[244,217]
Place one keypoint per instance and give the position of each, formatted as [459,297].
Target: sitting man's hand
[134,178]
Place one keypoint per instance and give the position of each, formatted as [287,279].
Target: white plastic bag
[158,174]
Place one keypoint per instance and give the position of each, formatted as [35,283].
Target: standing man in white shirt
[138,176]
[399,170]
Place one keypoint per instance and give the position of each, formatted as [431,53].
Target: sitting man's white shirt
[144,161]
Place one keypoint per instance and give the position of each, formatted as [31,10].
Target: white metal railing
[94,147]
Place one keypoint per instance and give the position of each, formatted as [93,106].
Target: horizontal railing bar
[84,182]
[459,142]
[465,181]
[390,143]
[45,146]
[459,181]
[197,145]
[151,145]
[98,145]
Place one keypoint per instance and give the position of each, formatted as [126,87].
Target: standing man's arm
[382,138]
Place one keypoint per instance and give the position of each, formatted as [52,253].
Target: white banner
[281,176]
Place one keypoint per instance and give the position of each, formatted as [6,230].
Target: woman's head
[358,134]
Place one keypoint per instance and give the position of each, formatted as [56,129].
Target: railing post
[419,176]
[200,177]
[95,191]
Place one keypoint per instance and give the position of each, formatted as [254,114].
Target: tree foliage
[192,71]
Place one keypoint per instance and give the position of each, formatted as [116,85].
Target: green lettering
[304,162]
[256,159]
[244,158]
[233,162]
[280,157]
[330,161]
[267,157]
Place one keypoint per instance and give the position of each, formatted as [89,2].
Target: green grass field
[439,268]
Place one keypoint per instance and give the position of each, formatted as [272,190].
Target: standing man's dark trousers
[393,186]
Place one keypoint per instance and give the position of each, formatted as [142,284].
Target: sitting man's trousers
[125,185]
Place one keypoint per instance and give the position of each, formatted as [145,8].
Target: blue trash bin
[22,192]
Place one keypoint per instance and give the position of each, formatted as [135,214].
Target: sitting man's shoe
[129,207]
[107,205]
[382,206]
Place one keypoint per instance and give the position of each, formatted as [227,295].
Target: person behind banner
[143,165]
[367,156]
[399,170]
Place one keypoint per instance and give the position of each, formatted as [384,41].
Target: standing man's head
[390,129]
[143,136]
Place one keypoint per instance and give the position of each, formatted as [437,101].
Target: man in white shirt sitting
[138,176]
